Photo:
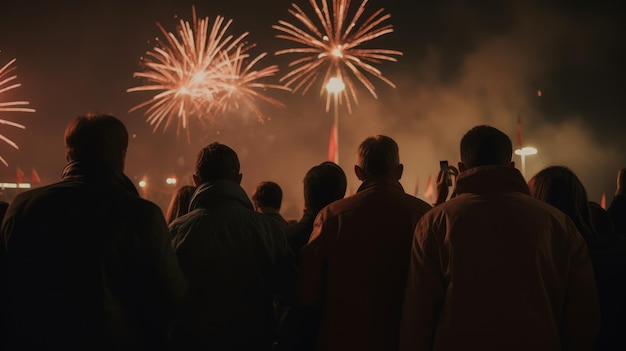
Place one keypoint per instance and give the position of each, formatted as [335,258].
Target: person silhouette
[87,264]
[355,263]
[236,261]
[560,187]
[495,269]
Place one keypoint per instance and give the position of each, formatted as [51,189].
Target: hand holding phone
[446,171]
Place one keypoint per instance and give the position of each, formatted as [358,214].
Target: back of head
[268,194]
[323,184]
[97,140]
[561,188]
[378,156]
[486,146]
[217,162]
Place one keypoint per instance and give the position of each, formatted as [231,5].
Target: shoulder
[417,203]
[267,224]
[503,206]
[143,206]
[48,197]
[189,220]
[338,208]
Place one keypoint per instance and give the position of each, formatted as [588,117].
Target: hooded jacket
[235,261]
[495,269]
[86,265]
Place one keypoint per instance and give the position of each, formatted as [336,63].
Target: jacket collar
[491,180]
[381,181]
[217,193]
[104,176]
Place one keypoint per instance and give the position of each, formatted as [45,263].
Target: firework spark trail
[244,82]
[331,49]
[182,71]
[195,71]
[7,83]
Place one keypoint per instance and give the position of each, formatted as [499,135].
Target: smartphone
[446,171]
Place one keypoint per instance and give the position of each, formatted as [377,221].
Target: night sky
[463,64]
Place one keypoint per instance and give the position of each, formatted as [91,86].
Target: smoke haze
[463,65]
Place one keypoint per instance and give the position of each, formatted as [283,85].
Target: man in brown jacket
[495,269]
[355,263]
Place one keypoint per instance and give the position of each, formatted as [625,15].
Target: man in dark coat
[86,263]
[356,261]
[235,260]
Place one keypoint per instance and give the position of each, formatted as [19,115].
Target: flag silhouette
[34,177]
[603,201]
[19,175]
[429,193]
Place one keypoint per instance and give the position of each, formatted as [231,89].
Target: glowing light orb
[526,151]
[335,85]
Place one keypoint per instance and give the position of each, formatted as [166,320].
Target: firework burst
[331,47]
[198,70]
[243,84]
[8,81]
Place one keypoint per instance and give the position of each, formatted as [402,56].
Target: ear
[462,167]
[359,173]
[398,172]
[196,180]
[239,177]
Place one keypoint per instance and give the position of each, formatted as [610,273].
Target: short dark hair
[268,194]
[96,140]
[486,146]
[378,156]
[323,184]
[217,161]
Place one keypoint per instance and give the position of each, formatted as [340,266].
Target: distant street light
[170,181]
[523,152]
[334,86]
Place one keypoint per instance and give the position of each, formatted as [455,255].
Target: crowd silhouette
[495,263]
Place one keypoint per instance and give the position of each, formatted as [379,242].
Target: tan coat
[495,269]
[355,264]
